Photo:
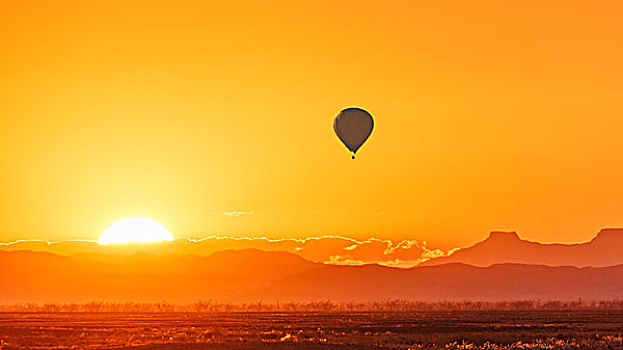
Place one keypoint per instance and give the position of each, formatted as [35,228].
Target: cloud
[404,253]
[238,213]
[342,260]
[336,250]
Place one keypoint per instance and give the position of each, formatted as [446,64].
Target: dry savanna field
[183,328]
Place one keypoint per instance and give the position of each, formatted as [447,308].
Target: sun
[135,229]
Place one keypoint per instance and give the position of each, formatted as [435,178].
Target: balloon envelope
[353,126]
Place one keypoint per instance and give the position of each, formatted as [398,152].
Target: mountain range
[499,247]
[506,247]
[254,275]
[502,267]
[42,277]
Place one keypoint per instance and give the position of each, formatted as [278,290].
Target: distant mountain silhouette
[606,249]
[251,275]
[500,247]
[447,282]
[318,249]
[41,276]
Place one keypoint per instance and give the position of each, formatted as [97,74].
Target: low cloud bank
[326,249]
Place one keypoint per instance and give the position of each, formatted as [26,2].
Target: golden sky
[488,115]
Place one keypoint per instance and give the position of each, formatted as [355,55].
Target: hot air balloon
[353,126]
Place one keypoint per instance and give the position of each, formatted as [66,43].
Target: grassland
[487,329]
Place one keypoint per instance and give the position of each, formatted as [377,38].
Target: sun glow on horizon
[135,230]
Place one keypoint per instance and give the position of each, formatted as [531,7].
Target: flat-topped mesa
[503,236]
[610,235]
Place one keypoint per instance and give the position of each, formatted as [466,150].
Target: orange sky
[494,115]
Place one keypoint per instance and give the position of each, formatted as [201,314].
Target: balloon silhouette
[353,126]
